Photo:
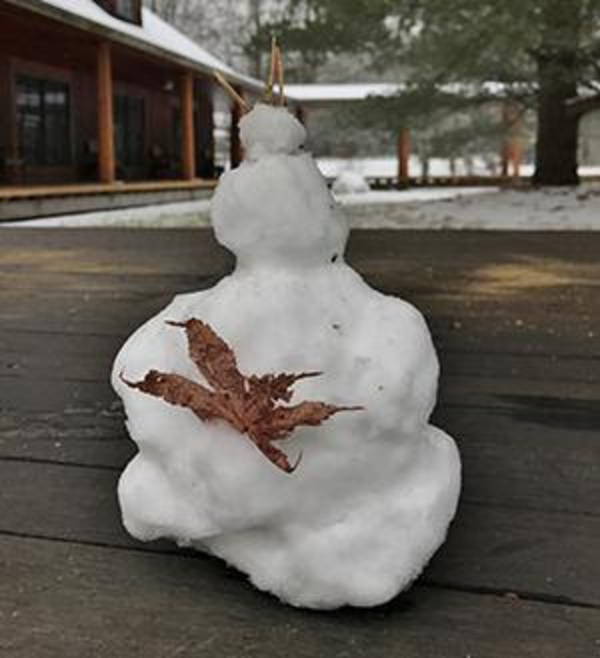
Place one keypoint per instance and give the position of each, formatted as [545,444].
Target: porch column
[188,142]
[403,150]
[106,144]
[511,154]
[235,145]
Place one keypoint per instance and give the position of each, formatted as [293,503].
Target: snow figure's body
[376,489]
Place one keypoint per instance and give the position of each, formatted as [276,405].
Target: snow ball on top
[266,130]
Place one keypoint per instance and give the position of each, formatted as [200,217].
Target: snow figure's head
[268,129]
[276,207]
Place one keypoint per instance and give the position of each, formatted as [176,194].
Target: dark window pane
[176,133]
[126,9]
[43,120]
[29,117]
[130,136]
[56,104]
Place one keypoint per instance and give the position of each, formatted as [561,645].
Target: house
[104,92]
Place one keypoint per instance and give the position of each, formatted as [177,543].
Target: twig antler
[279,70]
[275,74]
[271,78]
[275,79]
[232,92]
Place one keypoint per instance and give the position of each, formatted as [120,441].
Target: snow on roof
[316,94]
[341,92]
[153,35]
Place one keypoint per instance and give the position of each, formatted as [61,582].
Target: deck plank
[85,600]
[503,547]
[80,356]
[538,458]
[13,192]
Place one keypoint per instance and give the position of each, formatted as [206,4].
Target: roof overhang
[134,37]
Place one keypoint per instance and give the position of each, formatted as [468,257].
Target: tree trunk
[557,127]
[557,76]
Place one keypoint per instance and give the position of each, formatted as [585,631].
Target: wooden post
[403,150]
[106,142]
[511,153]
[188,142]
[516,156]
[235,145]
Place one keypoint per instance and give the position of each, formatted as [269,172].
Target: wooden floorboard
[504,547]
[13,192]
[507,455]
[78,356]
[516,319]
[78,600]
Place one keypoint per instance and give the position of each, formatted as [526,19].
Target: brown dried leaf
[249,404]
[283,420]
[212,356]
[277,387]
[179,391]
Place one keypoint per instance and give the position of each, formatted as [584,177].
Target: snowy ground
[423,208]
[474,208]
[388,166]
[165,215]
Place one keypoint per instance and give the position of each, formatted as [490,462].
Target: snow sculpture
[376,488]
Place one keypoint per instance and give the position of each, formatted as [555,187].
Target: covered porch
[100,111]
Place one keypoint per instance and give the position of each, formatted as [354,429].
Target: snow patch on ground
[419,194]
[420,208]
[387,166]
[349,182]
[166,215]
[492,209]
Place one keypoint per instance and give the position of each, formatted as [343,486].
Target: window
[176,133]
[129,10]
[43,121]
[130,134]
[126,9]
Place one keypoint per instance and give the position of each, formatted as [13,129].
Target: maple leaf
[249,404]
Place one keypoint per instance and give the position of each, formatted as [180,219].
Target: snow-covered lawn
[383,166]
[477,208]
[164,215]
[421,208]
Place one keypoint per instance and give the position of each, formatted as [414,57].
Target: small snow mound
[267,130]
[350,182]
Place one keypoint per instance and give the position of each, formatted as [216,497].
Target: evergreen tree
[544,54]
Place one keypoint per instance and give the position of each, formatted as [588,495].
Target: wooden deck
[516,318]
[17,192]
[19,203]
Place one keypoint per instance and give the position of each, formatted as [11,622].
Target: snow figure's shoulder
[267,130]
[155,342]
